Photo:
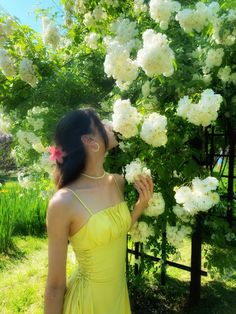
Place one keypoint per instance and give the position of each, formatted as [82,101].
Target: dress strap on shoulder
[117,186]
[76,195]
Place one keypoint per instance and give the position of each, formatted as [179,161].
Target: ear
[86,139]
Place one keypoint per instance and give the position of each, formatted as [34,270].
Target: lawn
[23,277]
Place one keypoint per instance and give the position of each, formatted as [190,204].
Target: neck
[94,167]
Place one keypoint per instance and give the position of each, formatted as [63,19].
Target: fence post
[136,255]
[196,255]
[230,191]
[163,258]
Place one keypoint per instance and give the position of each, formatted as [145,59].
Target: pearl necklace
[91,177]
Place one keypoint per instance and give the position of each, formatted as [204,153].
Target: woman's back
[98,284]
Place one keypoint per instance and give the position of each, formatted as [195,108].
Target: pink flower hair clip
[56,154]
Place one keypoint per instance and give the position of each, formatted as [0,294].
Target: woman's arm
[57,228]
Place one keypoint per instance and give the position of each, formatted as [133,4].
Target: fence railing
[226,156]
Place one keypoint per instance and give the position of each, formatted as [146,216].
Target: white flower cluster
[37,124]
[140,231]
[6,64]
[51,35]
[156,205]
[147,89]
[45,163]
[134,169]
[125,118]
[6,29]
[37,110]
[118,63]
[5,123]
[156,57]
[197,18]
[226,75]
[161,11]
[91,40]
[213,59]
[181,213]
[125,31]
[24,181]
[177,234]
[79,6]
[27,72]
[98,14]
[139,7]
[198,197]
[228,36]
[154,130]
[202,113]
[29,140]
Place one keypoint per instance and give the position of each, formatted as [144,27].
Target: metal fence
[214,155]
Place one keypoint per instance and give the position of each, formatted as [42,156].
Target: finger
[151,183]
[145,183]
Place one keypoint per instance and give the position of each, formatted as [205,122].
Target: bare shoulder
[120,180]
[59,205]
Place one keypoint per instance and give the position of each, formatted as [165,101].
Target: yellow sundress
[98,284]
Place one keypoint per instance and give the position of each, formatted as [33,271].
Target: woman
[89,210]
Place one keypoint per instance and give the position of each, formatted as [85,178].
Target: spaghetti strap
[117,186]
[89,210]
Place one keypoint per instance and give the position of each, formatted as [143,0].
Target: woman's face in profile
[111,136]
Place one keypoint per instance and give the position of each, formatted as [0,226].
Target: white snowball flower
[140,231]
[89,19]
[161,10]
[27,139]
[156,205]
[91,40]
[124,30]
[139,7]
[199,197]
[99,13]
[51,35]
[5,123]
[224,74]
[37,124]
[196,19]
[183,194]
[134,169]
[125,118]
[213,59]
[156,57]
[27,72]
[7,64]
[154,130]
[79,7]
[24,180]
[184,106]
[177,234]
[46,163]
[204,112]
[119,65]
[183,214]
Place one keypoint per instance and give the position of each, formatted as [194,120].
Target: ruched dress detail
[98,283]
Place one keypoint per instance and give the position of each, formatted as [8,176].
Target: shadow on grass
[11,256]
[173,298]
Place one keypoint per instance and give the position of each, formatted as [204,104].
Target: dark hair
[68,137]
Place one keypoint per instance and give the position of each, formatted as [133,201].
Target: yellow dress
[98,284]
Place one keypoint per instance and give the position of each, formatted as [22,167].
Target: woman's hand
[144,186]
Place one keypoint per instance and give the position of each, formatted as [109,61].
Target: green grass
[23,278]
